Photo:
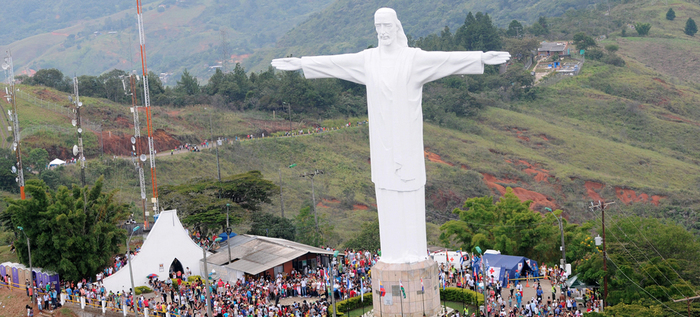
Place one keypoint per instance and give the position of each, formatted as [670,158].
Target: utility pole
[279,171]
[311,176]
[289,107]
[688,300]
[602,206]
[561,229]
[10,96]
[211,133]
[31,269]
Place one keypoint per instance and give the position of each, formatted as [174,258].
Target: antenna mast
[78,105]
[136,145]
[147,105]
[10,95]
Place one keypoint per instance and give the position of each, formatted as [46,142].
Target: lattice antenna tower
[147,106]
[77,123]
[138,157]
[10,92]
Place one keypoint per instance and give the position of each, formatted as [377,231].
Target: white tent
[166,242]
[57,162]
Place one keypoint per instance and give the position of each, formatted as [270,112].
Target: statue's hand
[290,63]
[495,58]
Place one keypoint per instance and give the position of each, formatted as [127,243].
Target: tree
[202,202]
[307,232]
[642,28]
[187,84]
[367,238]
[39,158]
[670,15]
[583,41]
[612,48]
[7,178]
[273,226]
[515,29]
[75,239]
[508,225]
[690,27]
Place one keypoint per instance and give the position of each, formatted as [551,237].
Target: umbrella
[152,275]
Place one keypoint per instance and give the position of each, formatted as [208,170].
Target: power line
[623,273]
[657,252]
[645,291]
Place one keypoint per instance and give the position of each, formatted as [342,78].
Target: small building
[253,255]
[553,48]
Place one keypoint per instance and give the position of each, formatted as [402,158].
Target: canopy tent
[504,267]
[168,245]
[224,236]
[575,282]
[57,162]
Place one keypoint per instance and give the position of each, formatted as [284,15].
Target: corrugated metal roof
[255,254]
[552,46]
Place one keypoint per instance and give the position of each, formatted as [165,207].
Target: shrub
[349,304]
[454,294]
[595,54]
[138,290]
[194,278]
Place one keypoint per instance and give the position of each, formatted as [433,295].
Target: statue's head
[389,29]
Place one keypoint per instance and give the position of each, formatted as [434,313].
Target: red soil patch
[544,137]
[320,204]
[629,196]
[540,175]
[491,180]
[591,188]
[464,167]
[524,163]
[374,205]
[679,119]
[435,158]
[332,200]
[524,138]
[359,207]
[538,200]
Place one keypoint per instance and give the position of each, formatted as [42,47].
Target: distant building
[164,77]
[552,48]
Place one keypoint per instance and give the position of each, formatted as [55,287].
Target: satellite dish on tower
[75,150]
[74,122]
[143,195]
[14,170]
[143,157]
[80,130]
[5,66]
[133,140]
[80,104]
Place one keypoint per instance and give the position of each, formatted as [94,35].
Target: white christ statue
[394,75]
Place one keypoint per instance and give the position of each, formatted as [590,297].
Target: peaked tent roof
[167,241]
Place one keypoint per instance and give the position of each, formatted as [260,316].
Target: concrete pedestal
[416,302]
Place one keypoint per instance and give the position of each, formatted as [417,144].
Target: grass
[6,255]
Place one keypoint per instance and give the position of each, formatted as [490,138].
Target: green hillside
[353,30]
[626,133]
[179,34]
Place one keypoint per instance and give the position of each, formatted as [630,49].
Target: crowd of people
[304,292]
[555,298]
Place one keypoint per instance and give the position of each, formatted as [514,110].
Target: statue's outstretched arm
[289,63]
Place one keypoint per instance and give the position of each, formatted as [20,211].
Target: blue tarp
[511,266]
[224,237]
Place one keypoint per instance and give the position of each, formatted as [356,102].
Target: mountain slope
[347,26]
[179,35]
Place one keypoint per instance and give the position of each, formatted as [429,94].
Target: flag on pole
[403,291]
[362,290]
[422,289]
[382,291]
